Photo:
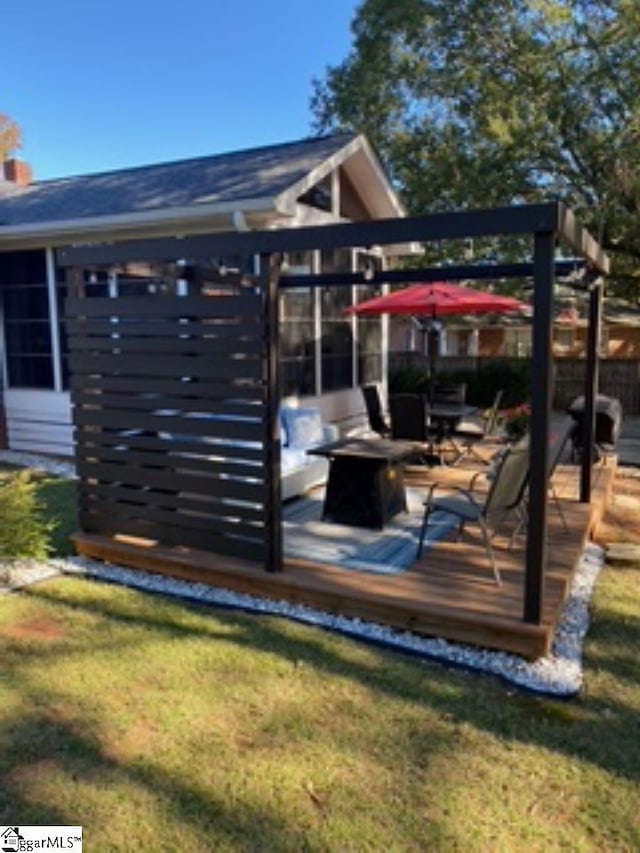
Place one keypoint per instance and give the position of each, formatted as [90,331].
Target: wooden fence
[619,378]
[172,415]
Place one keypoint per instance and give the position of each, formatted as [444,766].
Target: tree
[488,102]
[10,136]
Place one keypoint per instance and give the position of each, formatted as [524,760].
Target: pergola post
[269,280]
[536,556]
[590,391]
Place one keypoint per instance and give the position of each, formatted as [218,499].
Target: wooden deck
[448,593]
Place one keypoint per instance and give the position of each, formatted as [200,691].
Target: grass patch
[160,726]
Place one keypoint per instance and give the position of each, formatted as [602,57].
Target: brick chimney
[17,172]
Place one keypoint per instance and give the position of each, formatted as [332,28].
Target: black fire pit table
[365,487]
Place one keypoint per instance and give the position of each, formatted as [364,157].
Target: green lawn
[162,727]
[159,726]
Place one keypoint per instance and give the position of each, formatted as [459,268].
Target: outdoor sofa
[301,428]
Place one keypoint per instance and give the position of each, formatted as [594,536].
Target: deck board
[450,592]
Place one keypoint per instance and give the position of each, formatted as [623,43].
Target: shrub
[23,532]
[409,379]
[512,377]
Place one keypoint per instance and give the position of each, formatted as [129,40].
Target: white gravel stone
[558,674]
[48,464]
[15,574]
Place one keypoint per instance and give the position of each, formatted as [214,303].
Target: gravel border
[48,464]
[559,674]
[16,574]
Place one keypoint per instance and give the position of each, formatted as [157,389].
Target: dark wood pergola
[546,224]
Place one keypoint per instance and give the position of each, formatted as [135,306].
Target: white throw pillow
[303,427]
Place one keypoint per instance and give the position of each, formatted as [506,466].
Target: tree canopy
[478,103]
[10,136]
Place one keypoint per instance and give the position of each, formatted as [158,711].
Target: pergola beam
[580,240]
[454,272]
[502,221]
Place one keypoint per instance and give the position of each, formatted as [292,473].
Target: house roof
[269,178]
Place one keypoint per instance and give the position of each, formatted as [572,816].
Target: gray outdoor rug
[389,551]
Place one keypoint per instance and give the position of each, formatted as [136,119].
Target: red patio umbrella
[438,299]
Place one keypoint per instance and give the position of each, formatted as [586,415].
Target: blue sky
[99,86]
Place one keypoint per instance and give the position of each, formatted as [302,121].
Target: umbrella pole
[433,342]
[425,331]
[431,366]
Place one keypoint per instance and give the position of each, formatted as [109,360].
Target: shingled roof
[257,173]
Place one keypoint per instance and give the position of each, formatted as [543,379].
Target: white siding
[39,421]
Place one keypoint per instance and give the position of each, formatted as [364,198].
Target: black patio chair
[409,423]
[373,403]
[408,417]
[558,438]
[558,441]
[470,433]
[449,395]
[504,497]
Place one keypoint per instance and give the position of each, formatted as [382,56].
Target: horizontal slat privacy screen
[171,401]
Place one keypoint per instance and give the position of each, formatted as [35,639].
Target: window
[27,335]
[337,335]
[319,196]
[297,331]
[517,341]
[25,310]
[61,292]
[368,329]
[564,339]
[460,342]
[340,352]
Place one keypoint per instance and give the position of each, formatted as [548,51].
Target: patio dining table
[446,416]
[443,419]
